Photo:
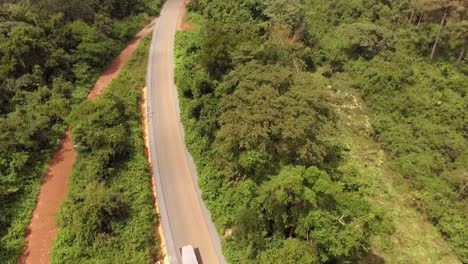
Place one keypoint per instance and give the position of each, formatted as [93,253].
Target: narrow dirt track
[117,64]
[43,228]
[183,24]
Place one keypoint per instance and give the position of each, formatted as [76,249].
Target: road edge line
[167,234]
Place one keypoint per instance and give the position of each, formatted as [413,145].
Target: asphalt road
[184,218]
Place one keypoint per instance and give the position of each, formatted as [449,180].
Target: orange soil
[116,66]
[42,228]
[158,228]
[183,24]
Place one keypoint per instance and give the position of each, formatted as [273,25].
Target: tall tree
[459,38]
[443,8]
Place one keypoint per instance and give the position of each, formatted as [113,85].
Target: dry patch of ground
[183,24]
[415,239]
[43,229]
[118,63]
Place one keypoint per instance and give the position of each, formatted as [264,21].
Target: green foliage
[360,39]
[100,211]
[51,52]
[255,83]
[424,133]
[308,203]
[88,45]
[100,129]
[108,215]
[262,116]
[284,12]
[418,107]
[408,235]
[292,251]
[28,135]
[271,119]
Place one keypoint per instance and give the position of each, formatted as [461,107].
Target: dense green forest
[51,52]
[258,82]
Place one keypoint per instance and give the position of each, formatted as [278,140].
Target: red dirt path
[117,64]
[43,228]
[183,24]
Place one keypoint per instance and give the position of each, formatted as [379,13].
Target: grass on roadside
[108,216]
[415,239]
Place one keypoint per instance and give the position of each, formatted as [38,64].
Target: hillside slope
[259,86]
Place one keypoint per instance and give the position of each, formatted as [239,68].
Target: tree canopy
[256,80]
[51,52]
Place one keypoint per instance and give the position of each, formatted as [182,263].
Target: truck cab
[188,255]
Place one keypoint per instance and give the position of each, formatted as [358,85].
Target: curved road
[184,218]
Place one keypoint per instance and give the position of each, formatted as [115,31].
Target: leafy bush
[249,129]
[254,83]
[108,215]
[51,52]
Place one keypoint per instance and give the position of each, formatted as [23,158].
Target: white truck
[188,255]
